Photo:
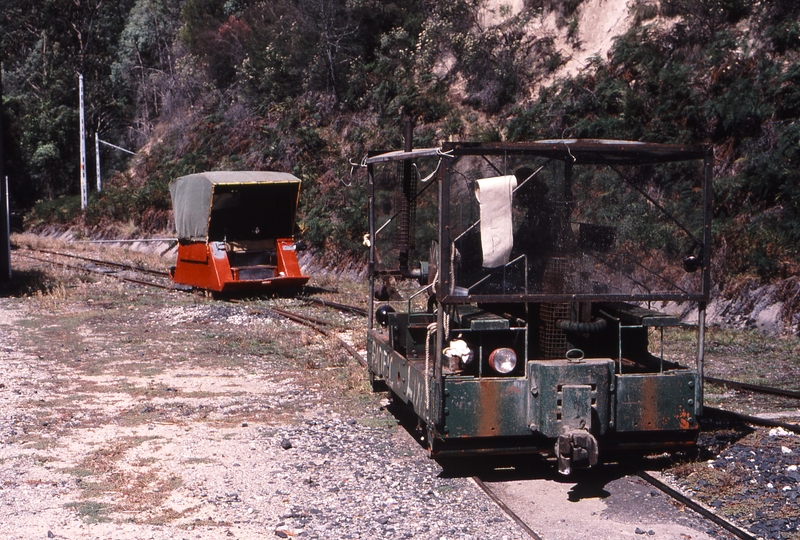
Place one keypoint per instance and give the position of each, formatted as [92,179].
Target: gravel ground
[752,477]
[129,414]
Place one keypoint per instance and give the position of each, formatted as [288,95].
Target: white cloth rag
[495,197]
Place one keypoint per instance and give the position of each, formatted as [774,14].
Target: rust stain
[489,412]
[648,413]
[683,419]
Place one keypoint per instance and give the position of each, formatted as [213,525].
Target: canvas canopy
[224,205]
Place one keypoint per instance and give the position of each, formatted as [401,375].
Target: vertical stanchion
[97,160]
[5,223]
[5,261]
[84,189]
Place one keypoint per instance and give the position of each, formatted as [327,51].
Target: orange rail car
[235,231]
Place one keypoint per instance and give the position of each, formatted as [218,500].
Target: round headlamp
[503,360]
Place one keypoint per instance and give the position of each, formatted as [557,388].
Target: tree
[47,44]
[144,71]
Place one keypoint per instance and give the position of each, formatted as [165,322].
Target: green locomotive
[524,289]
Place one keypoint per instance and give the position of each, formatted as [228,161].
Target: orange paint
[203,266]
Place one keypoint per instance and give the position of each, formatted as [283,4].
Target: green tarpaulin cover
[224,205]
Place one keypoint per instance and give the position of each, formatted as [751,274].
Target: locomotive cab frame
[235,231]
[537,325]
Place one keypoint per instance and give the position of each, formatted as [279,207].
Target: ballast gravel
[150,419]
[754,480]
[362,482]
[128,415]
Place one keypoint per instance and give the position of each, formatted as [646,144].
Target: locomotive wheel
[433,446]
[377,385]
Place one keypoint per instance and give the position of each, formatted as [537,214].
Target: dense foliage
[703,81]
[307,85]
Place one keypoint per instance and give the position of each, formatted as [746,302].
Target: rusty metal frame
[571,152]
[579,152]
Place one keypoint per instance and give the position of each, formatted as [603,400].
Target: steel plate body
[207,266]
[656,403]
[553,256]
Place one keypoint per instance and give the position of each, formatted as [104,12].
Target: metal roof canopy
[592,152]
[400,155]
[578,151]
[237,205]
[585,151]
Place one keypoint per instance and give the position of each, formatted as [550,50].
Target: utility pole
[84,188]
[5,219]
[97,159]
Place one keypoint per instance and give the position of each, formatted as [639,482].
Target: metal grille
[554,280]
[553,340]
[406,203]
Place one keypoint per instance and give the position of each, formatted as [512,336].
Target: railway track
[753,388]
[327,328]
[505,508]
[693,505]
[320,325]
[752,419]
[102,262]
[105,268]
[546,507]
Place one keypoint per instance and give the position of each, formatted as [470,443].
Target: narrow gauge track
[753,387]
[318,325]
[89,270]
[340,307]
[322,326]
[694,505]
[683,502]
[315,323]
[106,263]
[755,420]
[504,507]
[749,419]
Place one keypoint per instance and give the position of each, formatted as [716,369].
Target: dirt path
[129,413]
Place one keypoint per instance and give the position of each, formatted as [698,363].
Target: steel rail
[91,271]
[126,241]
[309,318]
[697,507]
[106,263]
[312,322]
[753,387]
[504,507]
[326,303]
[52,263]
[755,420]
[308,321]
[340,307]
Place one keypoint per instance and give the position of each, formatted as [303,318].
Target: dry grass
[107,349]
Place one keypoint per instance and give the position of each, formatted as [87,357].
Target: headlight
[503,360]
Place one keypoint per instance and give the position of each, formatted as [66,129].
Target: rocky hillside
[308,85]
